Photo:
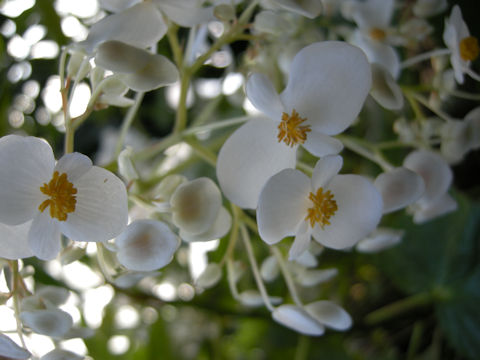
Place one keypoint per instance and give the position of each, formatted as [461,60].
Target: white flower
[399,187]
[463,46]
[50,322]
[84,202]
[385,89]
[297,319]
[373,34]
[327,86]
[437,176]
[337,210]
[10,350]
[14,244]
[380,239]
[197,211]
[146,245]
[139,69]
[329,314]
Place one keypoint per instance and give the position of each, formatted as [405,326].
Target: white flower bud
[52,322]
[329,314]
[210,276]
[297,319]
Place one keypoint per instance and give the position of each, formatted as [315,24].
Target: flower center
[290,130]
[324,207]
[469,49]
[62,196]
[377,34]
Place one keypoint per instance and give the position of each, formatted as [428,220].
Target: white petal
[253,298]
[101,210]
[26,163]
[74,165]
[307,259]
[297,319]
[195,205]
[359,211]
[117,5]
[399,187]
[319,144]
[301,242]
[311,278]
[249,157]
[438,207]
[141,25]
[434,170]
[373,13]
[47,322]
[186,13]
[325,169]
[379,53]
[220,227]
[329,314]
[263,96]
[385,89]
[328,84]
[146,245]
[120,57]
[210,276]
[380,239]
[269,269]
[282,205]
[44,236]
[10,350]
[14,241]
[308,8]
[158,71]
[55,295]
[59,354]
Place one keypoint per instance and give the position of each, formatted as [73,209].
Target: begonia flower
[337,210]
[138,69]
[146,245]
[463,46]
[84,202]
[326,89]
[437,176]
[197,210]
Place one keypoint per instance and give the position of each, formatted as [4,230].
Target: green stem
[301,352]
[398,308]
[202,151]
[17,279]
[364,149]
[233,237]
[286,275]
[127,122]
[254,267]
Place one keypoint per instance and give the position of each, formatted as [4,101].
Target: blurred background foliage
[417,301]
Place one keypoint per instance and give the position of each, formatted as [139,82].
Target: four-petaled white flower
[463,46]
[327,86]
[84,202]
[337,210]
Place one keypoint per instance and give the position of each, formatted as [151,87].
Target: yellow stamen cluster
[62,196]
[469,49]
[324,207]
[377,34]
[290,130]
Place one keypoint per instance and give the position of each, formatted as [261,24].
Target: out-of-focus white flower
[327,86]
[463,46]
[337,210]
[373,36]
[399,188]
[253,298]
[197,211]
[84,202]
[297,319]
[437,176]
[146,245]
[139,69]
[210,276]
[459,137]
[60,354]
[379,240]
[329,314]
[427,8]
[10,350]
[308,8]
[50,322]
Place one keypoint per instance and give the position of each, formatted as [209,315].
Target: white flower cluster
[279,174]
